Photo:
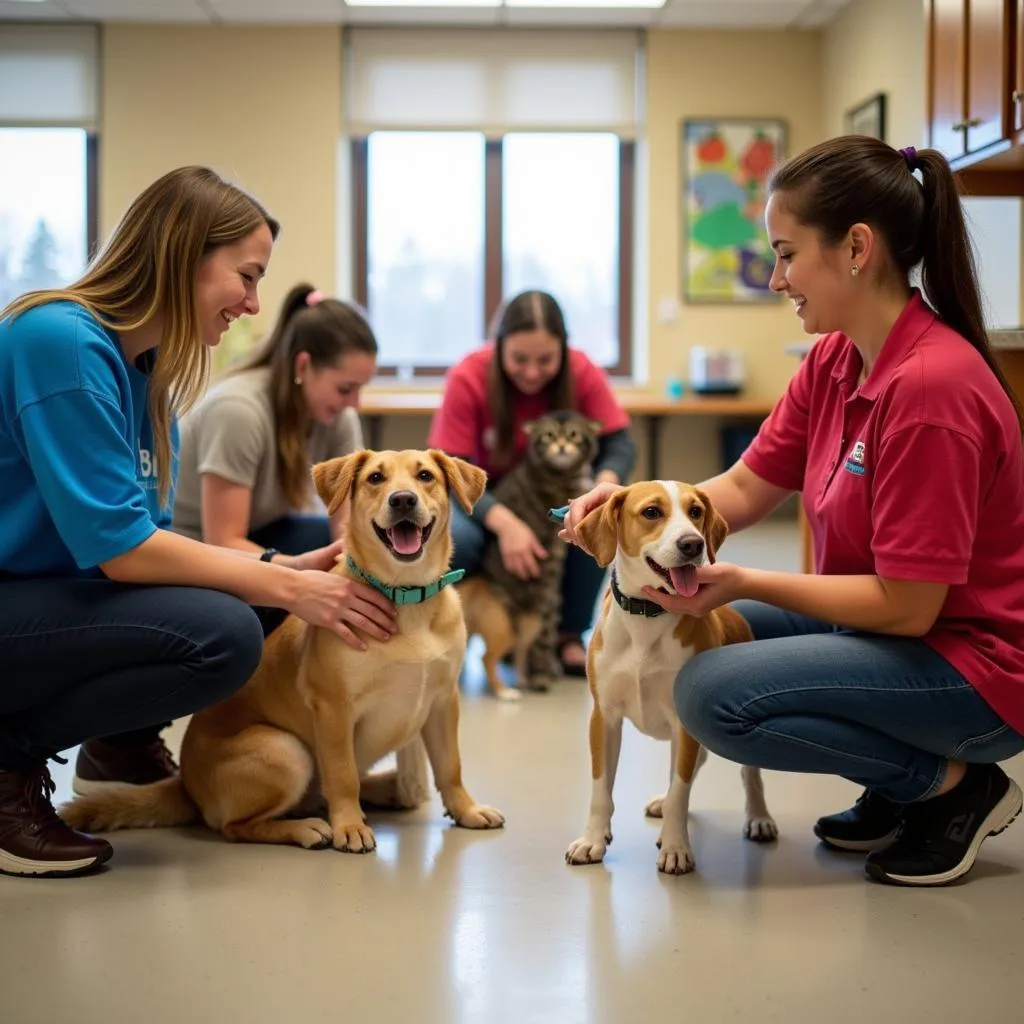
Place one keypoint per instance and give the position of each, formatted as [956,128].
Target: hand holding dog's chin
[717,584]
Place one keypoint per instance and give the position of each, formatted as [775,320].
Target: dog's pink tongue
[684,579]
[405,538]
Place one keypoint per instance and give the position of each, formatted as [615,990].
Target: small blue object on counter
[675,388]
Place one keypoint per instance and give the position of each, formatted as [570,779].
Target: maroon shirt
[918,474]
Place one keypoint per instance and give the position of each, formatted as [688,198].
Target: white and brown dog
[656,533]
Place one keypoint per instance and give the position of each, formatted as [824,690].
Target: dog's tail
[160,805]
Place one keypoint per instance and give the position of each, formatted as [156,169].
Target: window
[485,163]
[560,230]
[46,218]
[424,245]
[48,111]
[448,225]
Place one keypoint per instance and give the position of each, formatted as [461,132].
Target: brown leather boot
[101,764]
[33,839]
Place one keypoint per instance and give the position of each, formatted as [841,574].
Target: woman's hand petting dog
[339,604]
[520,550]
[717,584]
[580,507]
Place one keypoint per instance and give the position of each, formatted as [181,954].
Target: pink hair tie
[314,297]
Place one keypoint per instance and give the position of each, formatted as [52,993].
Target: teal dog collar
[407,595]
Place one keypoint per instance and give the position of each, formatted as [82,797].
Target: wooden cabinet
[972,72]
[989,53]
[1017,96]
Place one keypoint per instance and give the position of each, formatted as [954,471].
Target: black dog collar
[635,605]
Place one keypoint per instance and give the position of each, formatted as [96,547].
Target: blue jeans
[81,659]
[582,577]
[885,712]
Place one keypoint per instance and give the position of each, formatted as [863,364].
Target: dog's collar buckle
[635,605]
[407,595]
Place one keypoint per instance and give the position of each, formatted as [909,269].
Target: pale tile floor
[448,926]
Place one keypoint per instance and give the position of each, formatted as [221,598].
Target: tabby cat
[521,616]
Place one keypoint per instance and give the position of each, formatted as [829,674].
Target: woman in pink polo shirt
[528,370]
[900,663]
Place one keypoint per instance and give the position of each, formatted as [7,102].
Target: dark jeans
[582,577]
[81,659]
[886,712]
[293,535]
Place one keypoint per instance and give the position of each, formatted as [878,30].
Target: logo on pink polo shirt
[855,460]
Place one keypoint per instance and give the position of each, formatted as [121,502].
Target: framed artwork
[868,118]
[725,163]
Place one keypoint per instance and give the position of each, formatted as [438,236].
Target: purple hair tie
[910,155]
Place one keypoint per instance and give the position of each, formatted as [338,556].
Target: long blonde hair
[148,269]
[329,330]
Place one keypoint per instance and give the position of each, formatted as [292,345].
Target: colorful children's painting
[726,256]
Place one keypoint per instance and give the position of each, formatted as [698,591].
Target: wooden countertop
[381,402]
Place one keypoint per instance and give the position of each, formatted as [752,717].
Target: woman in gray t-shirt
[247,448]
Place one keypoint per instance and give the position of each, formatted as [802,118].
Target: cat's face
[563,441]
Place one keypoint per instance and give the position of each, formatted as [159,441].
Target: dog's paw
[480,816]
[508,693]
[354,838]
[761,830]
[653,808]
[588,849]
[675,858]
[540,683]
[313,833]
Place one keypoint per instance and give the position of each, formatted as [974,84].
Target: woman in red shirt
[900,663]
[529,370]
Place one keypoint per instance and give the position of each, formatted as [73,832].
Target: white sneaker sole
[25,868]
[859,845]
[997,820]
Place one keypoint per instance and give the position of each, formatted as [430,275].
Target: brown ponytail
[857,179]
[329,330]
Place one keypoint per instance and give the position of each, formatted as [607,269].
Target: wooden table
[376,405]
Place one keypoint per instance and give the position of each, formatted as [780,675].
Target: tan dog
[318,714]
[656,533]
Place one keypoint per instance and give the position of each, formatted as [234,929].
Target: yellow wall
[726,74]
[262,106]
[877,46]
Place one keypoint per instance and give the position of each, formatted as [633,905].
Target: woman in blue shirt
[110,623]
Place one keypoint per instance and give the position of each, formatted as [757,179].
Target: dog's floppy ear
[334,478]
[465,479]
[716,529]
[599,529]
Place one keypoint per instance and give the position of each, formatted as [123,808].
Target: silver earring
[298,380]
[855,270]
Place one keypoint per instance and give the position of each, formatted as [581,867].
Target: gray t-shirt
[230,433]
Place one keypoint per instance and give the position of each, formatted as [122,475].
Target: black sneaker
[940,838]
[870,824]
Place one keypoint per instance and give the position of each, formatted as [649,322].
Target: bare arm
[875,604]
[321,598]
[871,603]
[170,559]
[742,497]
[226,509]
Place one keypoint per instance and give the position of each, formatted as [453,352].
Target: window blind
[49,75]
[494,80]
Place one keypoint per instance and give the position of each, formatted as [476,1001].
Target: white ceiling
[733,14]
